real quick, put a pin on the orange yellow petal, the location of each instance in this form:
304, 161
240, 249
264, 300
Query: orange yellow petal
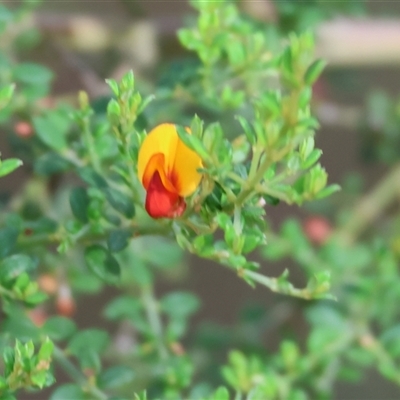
163, 151
156, 164
186, 164
162, 139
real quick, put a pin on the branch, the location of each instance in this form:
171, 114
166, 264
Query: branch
370, 207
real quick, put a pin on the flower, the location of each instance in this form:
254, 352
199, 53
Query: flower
167, 169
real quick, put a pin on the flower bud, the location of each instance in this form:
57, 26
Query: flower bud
317, 229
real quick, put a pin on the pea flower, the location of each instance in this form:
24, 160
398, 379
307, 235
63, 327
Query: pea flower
167, 169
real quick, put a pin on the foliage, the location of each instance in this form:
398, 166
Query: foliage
247, 98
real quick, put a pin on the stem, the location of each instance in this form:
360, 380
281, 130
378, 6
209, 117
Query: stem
273, 193
383, 358
273, 285
236, 178
154, 319
77, 375
255, 161
87, 134
253, 181
370, 206
124, 136
85, 236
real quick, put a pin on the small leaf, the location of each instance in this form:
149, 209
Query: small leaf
247, 129
314, 71
118, 239
193, 143
50, 163
113, 111
68, 391
35, 298
120, 202
113, 85
52, 129
102, 263
127, 81
79, 202
32, 74
8, 166
180, 304
312, 158
58, 328
122, 307
15, 265
329, 190
90, 339
8, 238
6, 94
92, 178
145, 103
42, 378
115, 377
46, 350
221, 393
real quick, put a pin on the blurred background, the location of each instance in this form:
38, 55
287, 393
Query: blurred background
84, 42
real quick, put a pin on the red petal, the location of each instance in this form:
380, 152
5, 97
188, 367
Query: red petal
160, 202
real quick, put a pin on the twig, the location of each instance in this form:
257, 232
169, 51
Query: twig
77, 375
370, 207
153, 317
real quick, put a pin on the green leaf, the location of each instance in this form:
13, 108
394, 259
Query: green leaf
69, 391
329, 190
314, 71
8, 238
9, 359
22, 282
115, 377
94, 340
196, 127
167, 255
8, 166
193, 142
247, 129
122, 307
84, 281
35, 298
127, 81
113, 85
113, 108
179, 304
221, 393
32, 74
145, 103
120, 202
114, 112
58, 328
42, 379
46, 350
15, 265
6, 93
52, 128
102, 263
92, 178
118, 239
19, 326
79, 202
50, 163
312, 158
